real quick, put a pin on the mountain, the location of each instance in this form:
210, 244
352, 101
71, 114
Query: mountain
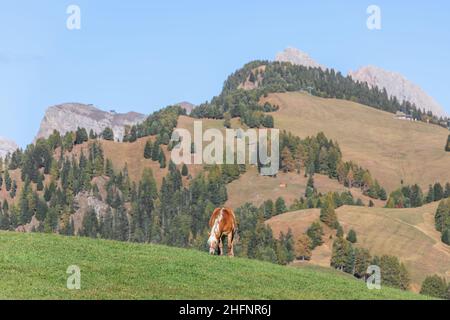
69, 116
6, 146
186, 106
397, 85
297, 57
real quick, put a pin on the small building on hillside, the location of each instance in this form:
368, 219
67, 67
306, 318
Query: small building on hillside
399, 115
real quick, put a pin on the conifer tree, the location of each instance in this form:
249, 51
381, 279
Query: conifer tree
351, 236
148, 150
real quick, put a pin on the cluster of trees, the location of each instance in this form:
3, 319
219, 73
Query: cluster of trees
442, 220
256, 240
55, 201
239, 103
7, 182
413, 197
160, 124
155, 152
318, 154
355, 261
435, 286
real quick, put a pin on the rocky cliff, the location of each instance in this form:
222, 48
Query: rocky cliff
397, 85
297, 57
68, 117
6, 146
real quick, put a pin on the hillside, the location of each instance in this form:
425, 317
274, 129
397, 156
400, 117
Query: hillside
34, 267
289, 185
408, 234
393, 150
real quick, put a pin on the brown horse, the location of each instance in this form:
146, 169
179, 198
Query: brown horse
222, 223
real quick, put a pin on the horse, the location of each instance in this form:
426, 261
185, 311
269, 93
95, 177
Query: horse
222, 223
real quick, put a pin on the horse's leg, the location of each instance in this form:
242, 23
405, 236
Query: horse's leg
230, 243
220, 246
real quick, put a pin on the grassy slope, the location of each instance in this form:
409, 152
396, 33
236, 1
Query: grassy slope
391, 149
290, 186
34, 266
406, 233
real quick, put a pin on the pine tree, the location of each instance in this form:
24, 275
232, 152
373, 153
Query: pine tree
148, 149
184, 170
446, 236
89, 226
156, 152
315, 233
106, 225
162, 159
327, 212
351, 236
434, 286
8, 181
108, 134
280, 206
121, 224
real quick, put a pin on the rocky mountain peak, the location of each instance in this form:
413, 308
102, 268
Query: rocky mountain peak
186, 106
398, 86
69, 116
7, 146
295, 56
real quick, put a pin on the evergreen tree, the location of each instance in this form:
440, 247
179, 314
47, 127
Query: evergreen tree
162, 159
315, 233
108, 134
434, 286
446, 236
89, 226
81, 136
184, 170
327, 212
121, 224
280, 206
148, 149
106, 225
351, 236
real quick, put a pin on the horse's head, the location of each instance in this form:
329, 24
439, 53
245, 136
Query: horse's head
212, 242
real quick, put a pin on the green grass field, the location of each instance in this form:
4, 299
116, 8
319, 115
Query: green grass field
33, 266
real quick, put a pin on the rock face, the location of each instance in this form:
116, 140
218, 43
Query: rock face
397, 85
68, 117
7, 146
297, 57
186, 106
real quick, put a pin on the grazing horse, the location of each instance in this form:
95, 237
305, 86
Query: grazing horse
222, 223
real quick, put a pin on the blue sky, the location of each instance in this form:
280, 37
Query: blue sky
142, 55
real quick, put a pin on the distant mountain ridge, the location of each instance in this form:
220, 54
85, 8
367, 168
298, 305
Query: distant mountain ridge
69, 116
7, 146
398, 86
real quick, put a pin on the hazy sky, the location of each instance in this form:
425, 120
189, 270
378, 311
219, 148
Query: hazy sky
143, 55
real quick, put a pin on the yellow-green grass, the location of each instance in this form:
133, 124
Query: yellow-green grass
393, 150
33, 266
408, 234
